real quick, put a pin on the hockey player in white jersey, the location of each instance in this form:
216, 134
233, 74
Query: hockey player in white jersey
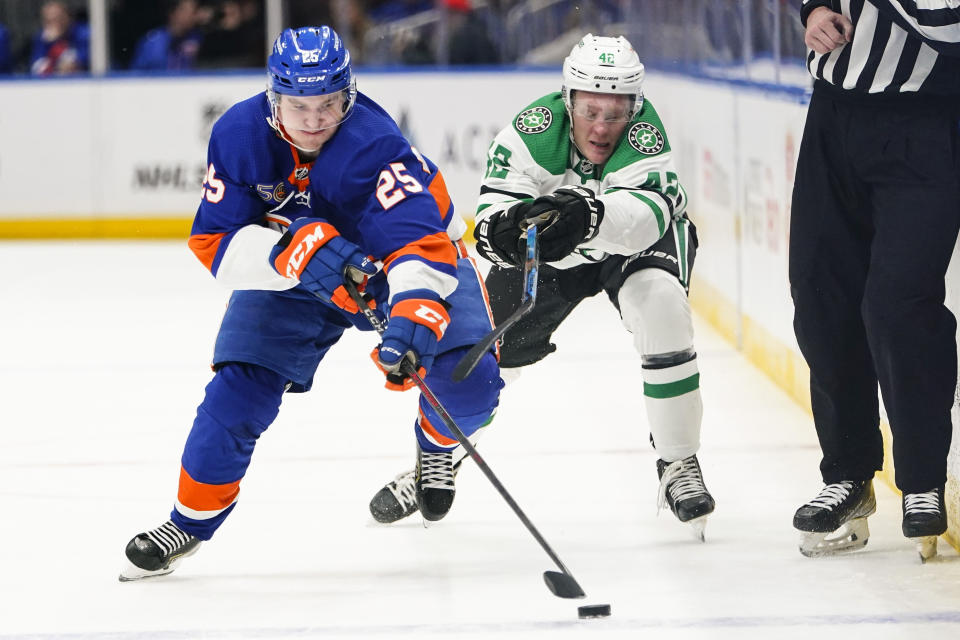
597, 153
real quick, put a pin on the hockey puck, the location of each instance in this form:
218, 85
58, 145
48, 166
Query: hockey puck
593, 611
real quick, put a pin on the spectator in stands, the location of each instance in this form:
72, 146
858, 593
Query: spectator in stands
469, 40
388, 10
175, 46
236, 38
6, 58
61, 46
129, 21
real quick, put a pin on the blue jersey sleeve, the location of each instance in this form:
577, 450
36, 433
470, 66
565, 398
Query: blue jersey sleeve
227, 204
402, 210
230, 234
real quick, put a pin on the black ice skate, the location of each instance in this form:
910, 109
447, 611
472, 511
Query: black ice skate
924, 518
396, 500
681, 487
836, 519
434, 483
158, 552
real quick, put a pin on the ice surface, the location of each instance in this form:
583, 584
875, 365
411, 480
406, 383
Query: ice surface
104, 353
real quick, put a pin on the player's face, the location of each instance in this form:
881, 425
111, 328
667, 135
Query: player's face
310, 120
598, 122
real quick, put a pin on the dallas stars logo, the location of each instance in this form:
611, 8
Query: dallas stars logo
646, 138
534, 120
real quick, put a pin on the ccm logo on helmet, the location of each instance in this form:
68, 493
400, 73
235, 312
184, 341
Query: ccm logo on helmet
302, 250
312, 78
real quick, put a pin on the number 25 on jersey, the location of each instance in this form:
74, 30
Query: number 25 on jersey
389, 192
213, 187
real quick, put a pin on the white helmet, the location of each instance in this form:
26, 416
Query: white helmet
603, 65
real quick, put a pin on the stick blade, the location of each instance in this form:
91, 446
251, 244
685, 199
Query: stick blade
562, 585
469, 361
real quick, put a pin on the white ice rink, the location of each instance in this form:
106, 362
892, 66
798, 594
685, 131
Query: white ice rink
104, 351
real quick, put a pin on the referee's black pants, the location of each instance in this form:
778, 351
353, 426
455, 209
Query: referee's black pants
875, 216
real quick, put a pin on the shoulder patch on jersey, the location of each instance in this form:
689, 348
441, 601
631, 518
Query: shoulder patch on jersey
534, 120
646, 138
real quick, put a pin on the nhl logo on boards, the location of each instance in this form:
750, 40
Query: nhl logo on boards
646, 138
534, 120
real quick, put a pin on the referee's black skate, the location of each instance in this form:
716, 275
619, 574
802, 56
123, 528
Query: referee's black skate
396, 500
836, 519
681, 487
433, 477
924, 519
157, 552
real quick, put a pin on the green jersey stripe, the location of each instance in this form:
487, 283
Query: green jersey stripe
657, 211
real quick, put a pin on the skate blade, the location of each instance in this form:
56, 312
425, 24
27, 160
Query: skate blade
698, 528
850, 536
926, 548
132, 572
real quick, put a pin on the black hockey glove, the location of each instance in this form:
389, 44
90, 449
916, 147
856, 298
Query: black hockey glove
500, 238
578, 220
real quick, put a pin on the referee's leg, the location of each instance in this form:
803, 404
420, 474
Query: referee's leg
911, 332
829, 249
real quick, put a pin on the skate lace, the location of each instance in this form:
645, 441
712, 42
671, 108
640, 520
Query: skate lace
832, 495
404, 489
436, 470
169, 537
927, 502
682, 480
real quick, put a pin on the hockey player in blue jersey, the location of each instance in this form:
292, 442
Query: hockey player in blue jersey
298, 188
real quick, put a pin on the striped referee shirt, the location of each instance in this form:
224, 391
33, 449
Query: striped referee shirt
898, 47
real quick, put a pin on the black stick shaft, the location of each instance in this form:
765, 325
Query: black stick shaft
531, 268
380, 326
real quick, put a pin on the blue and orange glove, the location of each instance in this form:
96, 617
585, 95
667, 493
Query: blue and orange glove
418, 320
313, 251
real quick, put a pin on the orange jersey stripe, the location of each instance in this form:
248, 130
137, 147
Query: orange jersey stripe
434, 434
205, 497
438, 189
436, 247
204, 246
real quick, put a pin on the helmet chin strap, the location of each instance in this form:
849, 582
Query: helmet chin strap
276, 126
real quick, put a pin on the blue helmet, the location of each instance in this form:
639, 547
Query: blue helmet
310, 61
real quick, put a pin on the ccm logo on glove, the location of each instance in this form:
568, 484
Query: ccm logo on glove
304, 243
314, 252
431, 314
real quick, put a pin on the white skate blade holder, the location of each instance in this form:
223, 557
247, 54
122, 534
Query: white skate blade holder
132, 572
850, 536
926, 548
698, 528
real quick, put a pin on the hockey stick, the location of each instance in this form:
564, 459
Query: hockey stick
531, 267
561, 583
